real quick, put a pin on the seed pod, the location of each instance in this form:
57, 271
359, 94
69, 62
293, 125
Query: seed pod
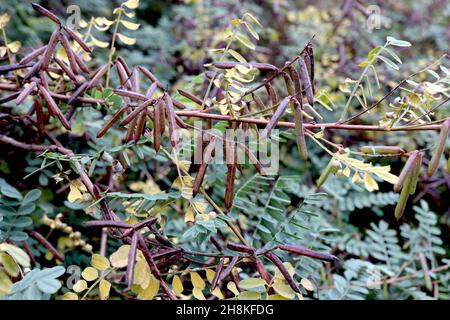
207, 156
232, 64
151, 76
297, 82
251, 157
122, 61
81, 89
288, 82
326, 173
81, 63
273, 95
407, 170
50, 48
190, 96
157, 126
54, 107
279, 264
132, 260
172, 124
123, 76
39, 115
258, 102
43, 79
134, 79
300, 131
307, 86
42, 240
231, 160
308, 253
12, 67
46, 12
381, 150
66, 70
111, 121
434, 162
32, 55
416, 173
403, 199
276, 116
70, 54
77, 39
26, 91
229, 268
33, 70
262, 270
130, 129
217, 273
162, 116
310, 52
130, 94
151, 90
100, 72
136, 111
9, 97
240, 248
140, 126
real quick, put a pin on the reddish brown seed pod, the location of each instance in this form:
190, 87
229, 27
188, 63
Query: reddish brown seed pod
46, 59
111, 121
151, 90
217, 274
207, 156
293, 73
43, 241
51, 104
123, 76
231, 160
310, 52
258, 102
39, 115
33, 70
46, 13
162, 116
443, 135
77, 39
26, 91
98, 75
172, 124
272, 93
140, 126
299, 130
190, 96
122, 61
66, 70
229, 268
130, 129
9, 97
33, 55
151, 76
157, 126
240, 248
81, 64
134, 79
407, 170
132, 260
262, 270
289, 85
276, 116
307, 86
130, 94
308, 253
279, 264
252, 158
69, 52
80, 90
136, 111
43, 79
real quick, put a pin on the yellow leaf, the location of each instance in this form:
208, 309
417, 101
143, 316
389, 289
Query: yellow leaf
289, 268
14, 46
3, 51
74, 194
5, 283
245, 41
197, 281
283, 289
356, 178
216, 292
98, 43
150, 292
9, 264
130, 25
69, 296
251, 283
308, 285
99, 262
346, 172
119, 259
126, 40
142, 274
80, 286
210, 275
4, 19
131, 4
370, 183
198, 294
104, 288
189, 215
249, 295
276, 297
177, 285
232, 287
90, 274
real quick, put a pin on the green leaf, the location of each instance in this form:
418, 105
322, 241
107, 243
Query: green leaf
398, 43
11, 192
389, 62
251, 283
32, 196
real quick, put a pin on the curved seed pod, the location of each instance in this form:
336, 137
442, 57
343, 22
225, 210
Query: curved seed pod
258, 166
46, 12
381, 150
39, 115
130, 129
162, 116
310, 52
217, 274
32, 55
296, 79
272, 93
124, 65
81, 64
123, 76
41, 239
12, 67
66, 70
443, 135
416, 173
178, 104
81, 89
135, 80
262, 271
26, 91
172, 124
140, 126
111, 121
300, 131
326, 173
50, 48
276, 116
180, 122
258, 102
229, 268
151, 90
207, 156
307, 86
70, 54
130, 94
190, 96
157, 126
136, 111
240, 248
51, 104
308, 253
100, 72
231, 159
403, 199
151, 76
43, 79
9, 97
288, 82
407, 170
132, 260
279, 264
33, 70
232, 64
77, 39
